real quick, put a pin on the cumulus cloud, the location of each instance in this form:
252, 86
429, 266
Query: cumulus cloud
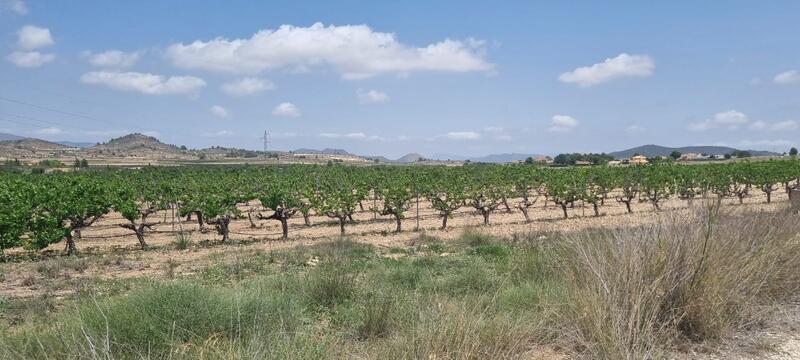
17, 6
787, 125
634, 129
622, 66
247, 86
562, 123
730, 120
462, 135
145, 83
286, 109
30, 59
31, 37
113, 58
219, 111
356, 51
765, 143
221, 133
352, 136
49, 131
787, 77
371, 96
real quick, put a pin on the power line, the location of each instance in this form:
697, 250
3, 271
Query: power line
46, 108
42, 122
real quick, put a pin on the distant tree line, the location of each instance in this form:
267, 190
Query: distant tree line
572, 159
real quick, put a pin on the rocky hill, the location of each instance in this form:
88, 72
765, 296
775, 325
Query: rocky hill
137, 146
410, 158
28, 148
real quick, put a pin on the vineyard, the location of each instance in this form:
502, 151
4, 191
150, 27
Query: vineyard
38, 210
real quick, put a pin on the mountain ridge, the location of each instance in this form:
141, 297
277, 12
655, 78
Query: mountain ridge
652, 150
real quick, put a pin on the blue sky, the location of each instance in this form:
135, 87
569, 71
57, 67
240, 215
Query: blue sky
388, 78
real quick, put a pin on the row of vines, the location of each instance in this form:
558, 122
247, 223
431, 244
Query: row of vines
37, 210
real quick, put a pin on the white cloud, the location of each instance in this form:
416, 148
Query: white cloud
787, 77
219, 111
247, 86
562, 123
145, 83
30, 59
493, 129
356, 51
634, 129
371, 96
221, 133
17, 6
352, 136
113, 58
623, 65
730, 119
49, 131
765, 143
286, 109
462, 135
31, 37
787, 125
759, 125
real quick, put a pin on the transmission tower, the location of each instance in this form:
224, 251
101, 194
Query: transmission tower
266, 145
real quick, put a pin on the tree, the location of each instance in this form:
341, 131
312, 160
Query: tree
283, 201
628, 183
485, 193
334, 197
136, 205
526, 185
675, 155
656, 184
793, 152
447, 194
219, 207
564, 188
396, 195
15, 211
64, 203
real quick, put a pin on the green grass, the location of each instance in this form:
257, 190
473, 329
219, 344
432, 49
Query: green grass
584, 294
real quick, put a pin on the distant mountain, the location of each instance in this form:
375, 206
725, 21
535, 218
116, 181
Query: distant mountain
8, 137
504, 158
326, 151
81, 145
410, 158
492, 158
656, 150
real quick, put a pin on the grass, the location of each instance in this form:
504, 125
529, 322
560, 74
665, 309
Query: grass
606, 294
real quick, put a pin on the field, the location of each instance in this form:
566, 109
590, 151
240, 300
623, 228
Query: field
703, 260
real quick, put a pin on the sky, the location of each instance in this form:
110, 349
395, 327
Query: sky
439, 78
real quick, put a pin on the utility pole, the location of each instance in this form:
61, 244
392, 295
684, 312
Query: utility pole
266, 145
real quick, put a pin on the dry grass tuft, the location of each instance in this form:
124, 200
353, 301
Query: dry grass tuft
634, 292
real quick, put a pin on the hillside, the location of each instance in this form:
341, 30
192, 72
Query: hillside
137, 146
32, 148
410, 158
8, 137
656, 150
326, 151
